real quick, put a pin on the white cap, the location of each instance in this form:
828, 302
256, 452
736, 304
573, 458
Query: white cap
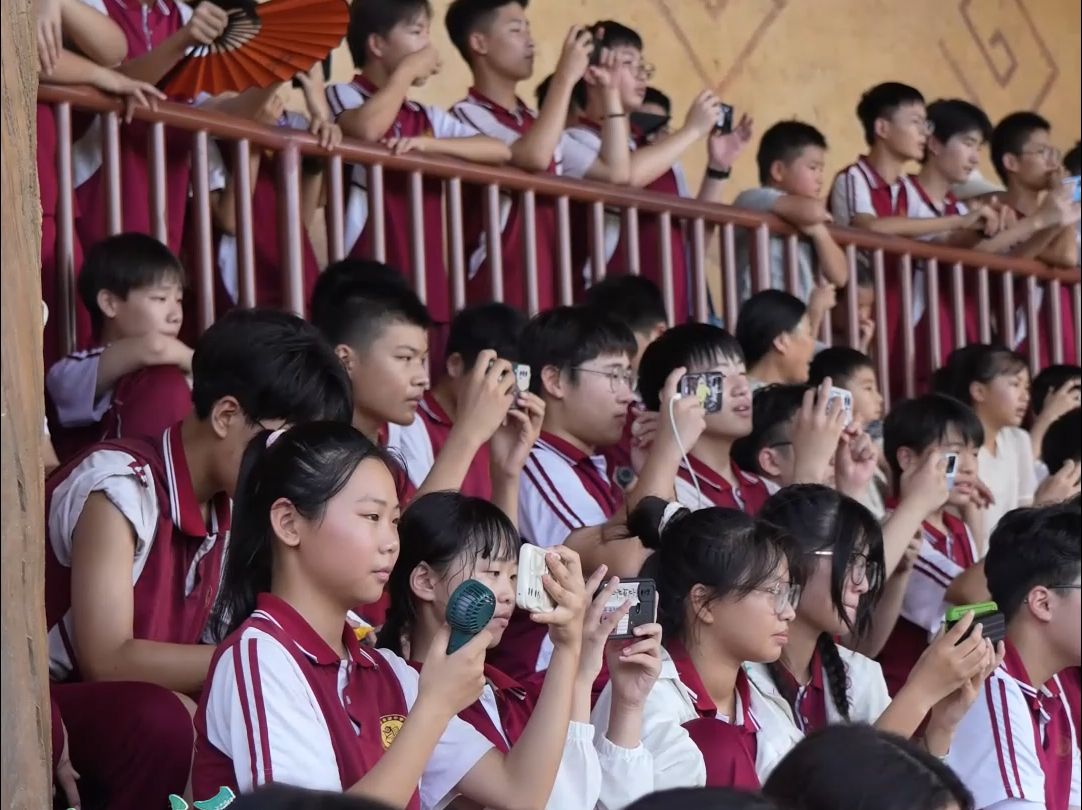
976, 186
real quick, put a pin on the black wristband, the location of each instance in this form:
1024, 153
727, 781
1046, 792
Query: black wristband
718, 174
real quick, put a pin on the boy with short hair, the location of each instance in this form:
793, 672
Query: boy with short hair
1055, 391
389, 43
132, 286
137, 529
479, 335
1063, 442
1017, 746
494, 38
635, 301
948, 570
776, 335
709, 476
791, 157
379, 330
1028, 164
654, 166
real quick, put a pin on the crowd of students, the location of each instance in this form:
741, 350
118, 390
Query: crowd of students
251, 545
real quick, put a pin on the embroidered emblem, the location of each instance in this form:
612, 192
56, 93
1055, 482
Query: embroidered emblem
389, 726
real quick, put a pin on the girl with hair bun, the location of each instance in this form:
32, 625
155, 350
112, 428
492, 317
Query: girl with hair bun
727, 586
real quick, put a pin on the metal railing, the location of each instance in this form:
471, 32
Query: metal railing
988, 277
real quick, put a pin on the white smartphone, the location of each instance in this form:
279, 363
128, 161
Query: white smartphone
844, 399
530, 593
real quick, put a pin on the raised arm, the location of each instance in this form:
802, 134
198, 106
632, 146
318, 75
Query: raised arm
131, 354
372, 120
207, 24
722, 150
92, 33
650, 162
103, 609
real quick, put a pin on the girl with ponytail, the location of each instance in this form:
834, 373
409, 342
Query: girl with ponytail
448, 538
727, 586
292, 696
817, 682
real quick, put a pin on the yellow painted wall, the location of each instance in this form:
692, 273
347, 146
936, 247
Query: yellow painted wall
811, 59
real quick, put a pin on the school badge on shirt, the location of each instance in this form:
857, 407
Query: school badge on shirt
389, 726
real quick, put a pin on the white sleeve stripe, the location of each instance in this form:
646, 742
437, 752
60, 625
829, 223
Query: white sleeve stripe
1004, 739
551, 495
242, 694
939, 577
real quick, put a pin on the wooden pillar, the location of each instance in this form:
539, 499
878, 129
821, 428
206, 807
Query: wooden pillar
24, 705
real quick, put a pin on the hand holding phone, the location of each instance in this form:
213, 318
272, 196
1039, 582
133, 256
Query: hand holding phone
841, 398
642, 594
530, 593
986, 614
706, 387
951, 468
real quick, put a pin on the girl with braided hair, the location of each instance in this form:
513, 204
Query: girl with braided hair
817, 682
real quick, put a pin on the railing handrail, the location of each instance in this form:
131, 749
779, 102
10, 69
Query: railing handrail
222, 125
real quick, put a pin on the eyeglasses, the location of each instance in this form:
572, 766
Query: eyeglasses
643, 70
1048, 152
617, 377
857, 567
786, 595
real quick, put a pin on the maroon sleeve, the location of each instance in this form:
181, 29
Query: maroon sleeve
146, 402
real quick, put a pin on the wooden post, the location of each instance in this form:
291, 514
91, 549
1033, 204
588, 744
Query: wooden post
24, 705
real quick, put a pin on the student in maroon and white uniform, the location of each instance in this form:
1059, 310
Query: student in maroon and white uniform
727, 587
137, 529
494, 38
1017, 748
709, 476
817, 681
158, 33
476, 333
654, 164
389, 43
96, 44
292, 697
448, 538
1029, 166
949, 569
132, 286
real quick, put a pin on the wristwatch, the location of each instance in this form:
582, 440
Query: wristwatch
718, 174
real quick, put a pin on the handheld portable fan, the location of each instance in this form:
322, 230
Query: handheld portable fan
263, 43
469, 610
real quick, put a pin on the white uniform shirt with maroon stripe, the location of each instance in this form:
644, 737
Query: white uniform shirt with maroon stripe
352, 95
935, 569
563, 489
996, 749
72, 384
859, 189
261, 712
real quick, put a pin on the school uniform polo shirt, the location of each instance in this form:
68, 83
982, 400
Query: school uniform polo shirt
563, 489
283, 706
420, 444
748, 496
412, 120
943, 556
508, 125
1018, 742
177, 556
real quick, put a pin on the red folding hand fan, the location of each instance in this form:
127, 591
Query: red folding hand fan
263, 43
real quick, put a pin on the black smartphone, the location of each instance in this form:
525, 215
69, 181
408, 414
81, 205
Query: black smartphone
724, 124
643, 596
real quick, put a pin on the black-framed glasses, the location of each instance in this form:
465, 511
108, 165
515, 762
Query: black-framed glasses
616, 376
786, 595
1066, 587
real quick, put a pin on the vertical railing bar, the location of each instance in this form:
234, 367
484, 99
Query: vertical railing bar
110, 124
65, 230
529, 247
728, 276
597, 241
631, 240
1056, 334
792, 264
762, 257
204, 238
1033, 330
159, 214
376, 211
1006, 328
905, 268
494, 240
242, 186
958, 306
882, 350
931, 270
290, 227
456, 243
698, 268
665, 263
563, 239
417, 234
852, 298
335, 208
984, 305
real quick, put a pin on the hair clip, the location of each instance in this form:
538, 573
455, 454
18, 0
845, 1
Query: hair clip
670, 512
274, 436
